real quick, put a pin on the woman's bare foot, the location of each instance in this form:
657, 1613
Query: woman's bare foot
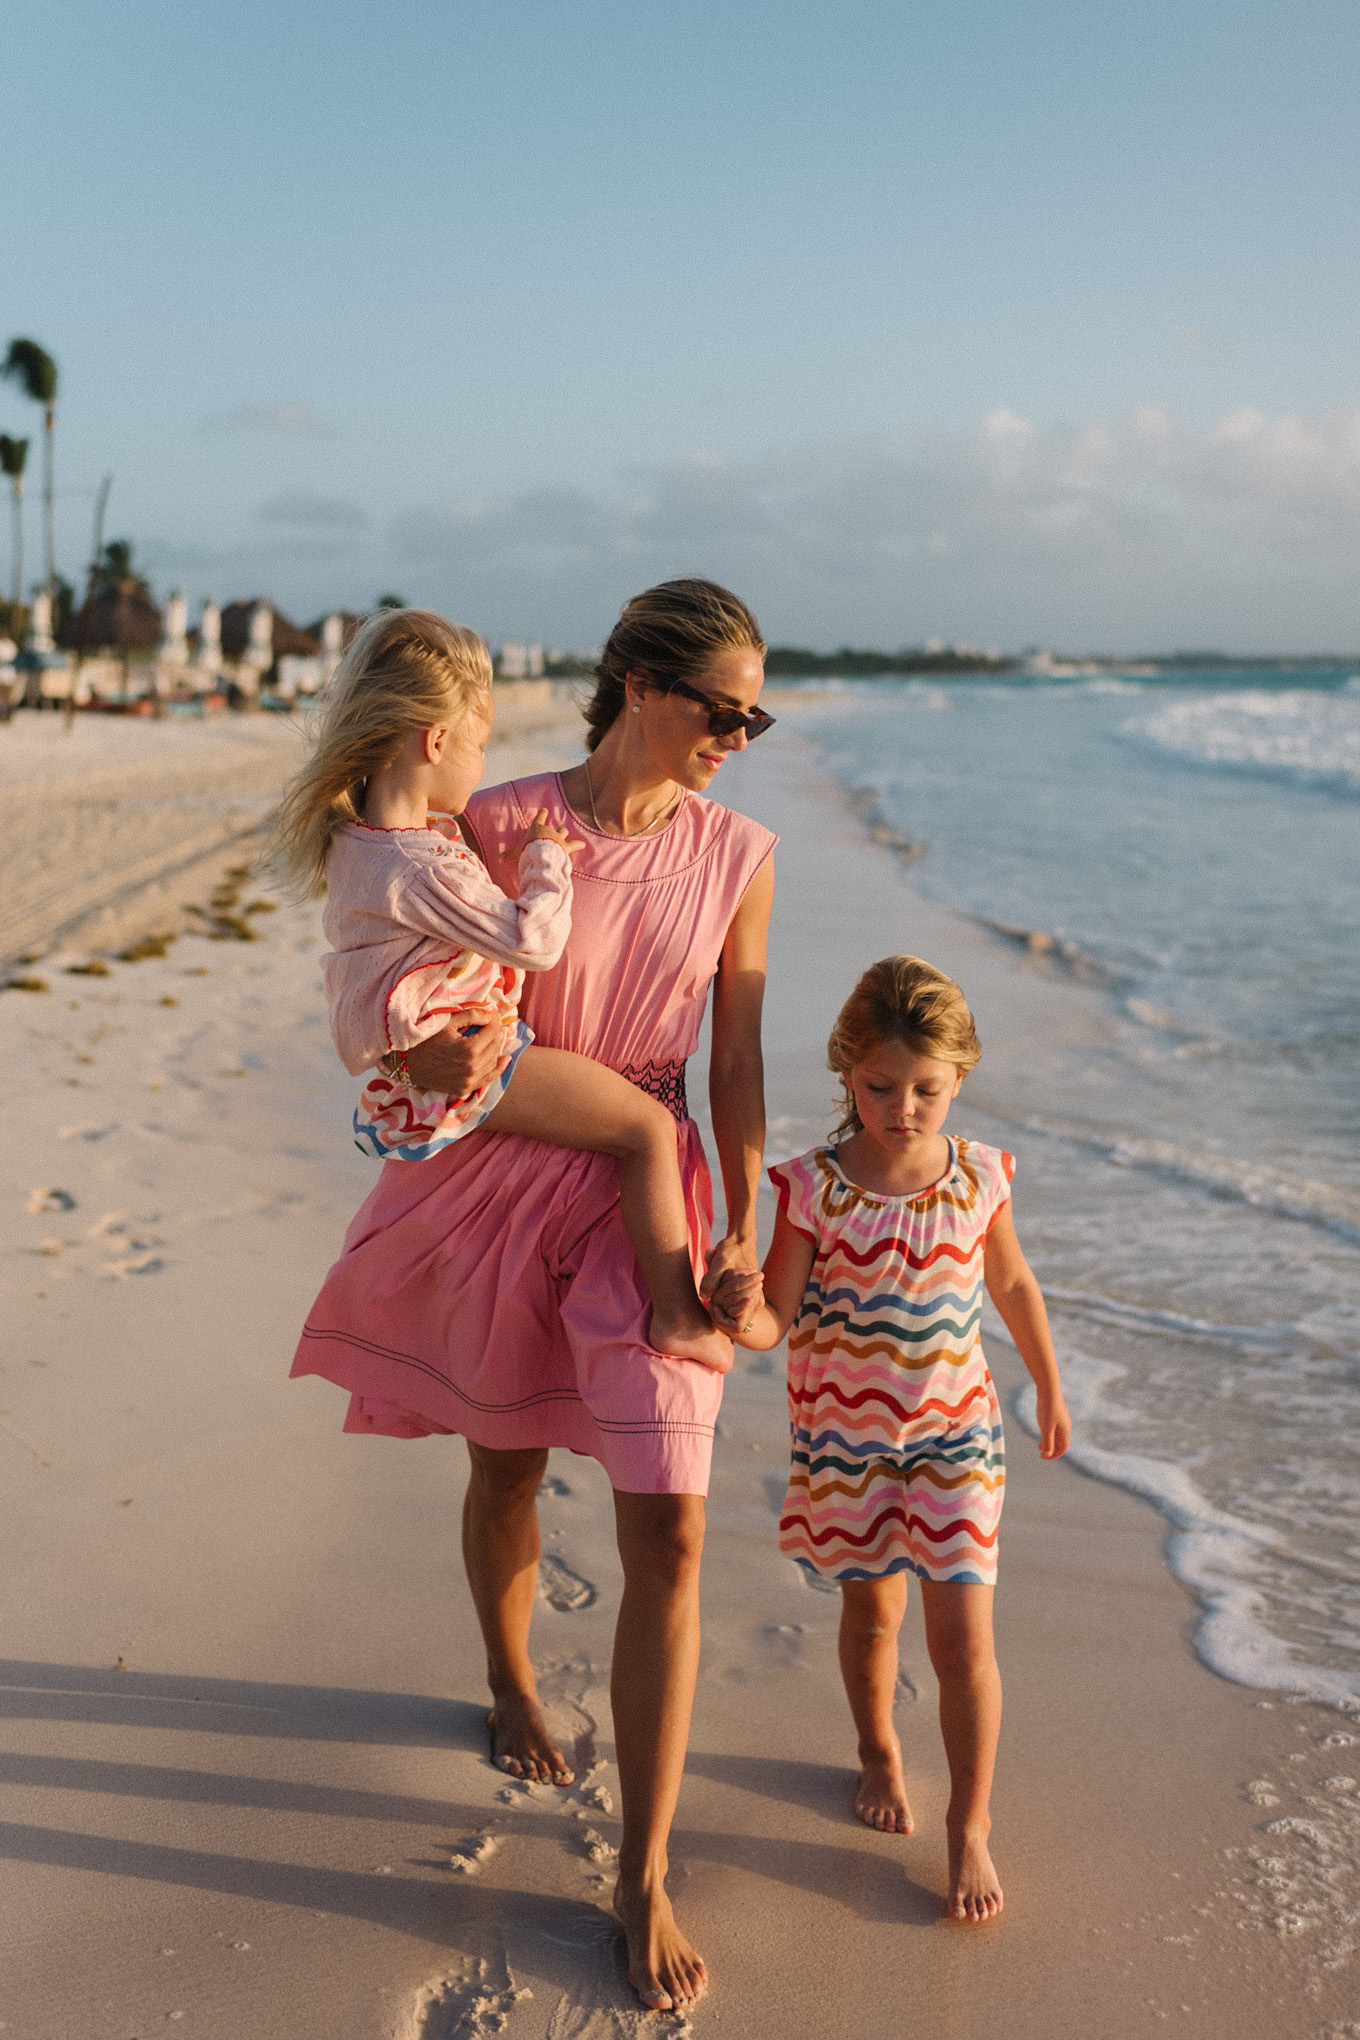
664, 1970
881, 1801
974, 1887
691, 1335
520, 1743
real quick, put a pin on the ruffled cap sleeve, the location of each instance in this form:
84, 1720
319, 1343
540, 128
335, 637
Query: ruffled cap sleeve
995, 1179
795, 1186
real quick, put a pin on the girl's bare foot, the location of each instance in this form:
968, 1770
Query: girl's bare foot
520, 1743
664, 1970
881, 1801
691, 1335
974, 1887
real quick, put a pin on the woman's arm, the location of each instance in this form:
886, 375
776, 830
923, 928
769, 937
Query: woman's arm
1014, 1289
736, 1077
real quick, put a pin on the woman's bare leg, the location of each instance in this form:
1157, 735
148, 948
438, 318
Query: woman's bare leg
572, 1102
959, 1639
871, 1615
501, 1550
656, 1662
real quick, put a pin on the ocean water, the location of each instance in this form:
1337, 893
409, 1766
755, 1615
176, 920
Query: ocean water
1191, 1182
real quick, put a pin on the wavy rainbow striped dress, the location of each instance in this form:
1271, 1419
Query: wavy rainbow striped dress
898, 1459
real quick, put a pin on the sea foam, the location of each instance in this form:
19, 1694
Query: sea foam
1311, 1202
1303, 735
1212, 1552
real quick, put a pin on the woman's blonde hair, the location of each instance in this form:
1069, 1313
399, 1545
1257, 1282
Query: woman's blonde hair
900, 999
407, 669
674, 632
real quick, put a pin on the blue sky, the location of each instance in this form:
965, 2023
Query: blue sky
998, 323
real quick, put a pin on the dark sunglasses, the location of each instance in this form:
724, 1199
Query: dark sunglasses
722, 722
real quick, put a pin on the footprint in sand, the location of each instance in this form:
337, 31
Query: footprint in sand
469, 2000
40, 1201
134, 1264
468, 1861
130, 1245
562, 1588
551, 1486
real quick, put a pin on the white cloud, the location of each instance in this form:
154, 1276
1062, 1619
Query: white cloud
1126, 531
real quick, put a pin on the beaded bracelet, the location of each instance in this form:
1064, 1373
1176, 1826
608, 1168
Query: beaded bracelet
396, 1065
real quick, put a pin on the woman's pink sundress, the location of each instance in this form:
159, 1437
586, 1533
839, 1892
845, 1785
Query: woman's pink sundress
491, 1290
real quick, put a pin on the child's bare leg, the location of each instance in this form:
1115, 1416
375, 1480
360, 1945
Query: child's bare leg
959, 1639
567, 1099
871, 1615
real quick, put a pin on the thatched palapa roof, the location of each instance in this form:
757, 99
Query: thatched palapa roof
119, 619
288, 639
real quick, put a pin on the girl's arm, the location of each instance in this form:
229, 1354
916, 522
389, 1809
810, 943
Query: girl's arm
466, 1055
459, 902
1012, 1286
736, 1077
785, 1275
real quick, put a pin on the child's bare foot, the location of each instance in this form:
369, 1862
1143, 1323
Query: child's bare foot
691, 1335
881, 1801
520, 1743
664, 1970
974, 1887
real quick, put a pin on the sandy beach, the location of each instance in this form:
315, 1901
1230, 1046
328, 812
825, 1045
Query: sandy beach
247, 1781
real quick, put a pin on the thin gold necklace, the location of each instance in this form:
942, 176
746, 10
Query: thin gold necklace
664, 816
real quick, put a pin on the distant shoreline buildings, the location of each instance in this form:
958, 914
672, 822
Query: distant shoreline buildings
123, 652
122, 649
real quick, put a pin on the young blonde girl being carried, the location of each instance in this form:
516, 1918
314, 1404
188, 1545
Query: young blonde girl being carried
882, 1246
420, 936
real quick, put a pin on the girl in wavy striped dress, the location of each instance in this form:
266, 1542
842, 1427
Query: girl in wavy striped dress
883, 1243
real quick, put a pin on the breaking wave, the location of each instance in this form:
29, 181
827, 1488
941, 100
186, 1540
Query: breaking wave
1303, 735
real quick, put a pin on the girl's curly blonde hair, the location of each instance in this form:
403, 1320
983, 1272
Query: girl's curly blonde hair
407, 669
900, 999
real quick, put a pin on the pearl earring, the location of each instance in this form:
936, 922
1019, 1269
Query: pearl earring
636, 709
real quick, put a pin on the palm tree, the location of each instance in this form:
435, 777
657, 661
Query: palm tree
13, 458
34, 368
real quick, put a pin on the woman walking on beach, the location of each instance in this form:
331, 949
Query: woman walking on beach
490, 1290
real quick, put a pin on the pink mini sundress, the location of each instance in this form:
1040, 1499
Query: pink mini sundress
491, 1290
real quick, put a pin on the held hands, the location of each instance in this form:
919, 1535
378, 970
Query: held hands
739, 1293
732, 1295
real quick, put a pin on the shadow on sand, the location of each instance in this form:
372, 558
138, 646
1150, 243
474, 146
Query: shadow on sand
869, 1878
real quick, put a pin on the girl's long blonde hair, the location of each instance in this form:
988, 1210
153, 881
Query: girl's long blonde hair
900, 999
407, 669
